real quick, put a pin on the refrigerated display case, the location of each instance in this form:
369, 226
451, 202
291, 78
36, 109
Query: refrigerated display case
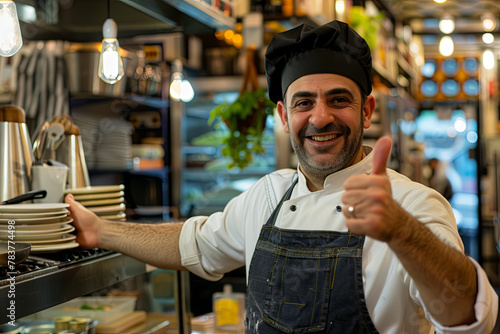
206, 182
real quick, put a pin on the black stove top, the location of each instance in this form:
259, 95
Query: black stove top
75, 255
35, 266
27, 269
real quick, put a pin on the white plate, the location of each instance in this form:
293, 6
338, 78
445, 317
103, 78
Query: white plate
36, 236
110, 208
33, 207
100, 202
4, 230
37, 227
94, 189
33, 215
40, 220
117, 216
51, 248
38, 224
63, 238
99, 196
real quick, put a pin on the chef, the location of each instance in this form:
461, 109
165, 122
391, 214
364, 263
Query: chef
341, 244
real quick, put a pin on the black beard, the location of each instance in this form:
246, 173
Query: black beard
317, 172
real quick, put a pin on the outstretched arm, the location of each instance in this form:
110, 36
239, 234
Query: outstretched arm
155, 244
444, 277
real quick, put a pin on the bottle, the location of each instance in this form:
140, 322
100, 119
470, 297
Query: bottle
229, 309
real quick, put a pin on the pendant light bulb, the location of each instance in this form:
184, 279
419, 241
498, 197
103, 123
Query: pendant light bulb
446, 46
10, 36
175, 86
110, 61
447, 25
180, 88
187, 91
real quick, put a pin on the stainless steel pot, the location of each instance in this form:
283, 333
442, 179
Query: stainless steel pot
16, 156
83, 67
70, 152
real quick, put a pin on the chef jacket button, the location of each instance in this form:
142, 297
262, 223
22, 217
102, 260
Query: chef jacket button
338, 208
293, 208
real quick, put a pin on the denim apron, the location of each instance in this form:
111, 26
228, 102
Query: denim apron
306, 281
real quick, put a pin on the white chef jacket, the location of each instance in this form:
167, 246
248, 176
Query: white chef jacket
212, 246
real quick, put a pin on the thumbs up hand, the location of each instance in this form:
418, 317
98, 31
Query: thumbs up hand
368, 203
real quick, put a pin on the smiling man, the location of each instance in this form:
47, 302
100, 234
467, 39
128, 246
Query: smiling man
341, 244
328, 115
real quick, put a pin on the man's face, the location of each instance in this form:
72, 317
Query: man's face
325, 117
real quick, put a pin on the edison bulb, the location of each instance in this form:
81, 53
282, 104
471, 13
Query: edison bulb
446, 46
10, 38
110, 61
176, 86
447, 25
187, 92
180, 88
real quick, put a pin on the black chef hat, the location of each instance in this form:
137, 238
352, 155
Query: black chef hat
331, 48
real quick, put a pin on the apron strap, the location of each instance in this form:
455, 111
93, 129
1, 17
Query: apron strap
272, 219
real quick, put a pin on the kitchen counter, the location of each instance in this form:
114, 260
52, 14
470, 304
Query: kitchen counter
160, 323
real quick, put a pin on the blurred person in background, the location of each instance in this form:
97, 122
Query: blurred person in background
438, 179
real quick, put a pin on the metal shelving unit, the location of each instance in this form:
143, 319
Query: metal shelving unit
41, 292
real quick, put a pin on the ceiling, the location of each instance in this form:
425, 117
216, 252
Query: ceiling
467, 13
82, 20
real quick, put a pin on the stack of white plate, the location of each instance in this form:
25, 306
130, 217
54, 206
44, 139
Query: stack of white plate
114, 150
46, 226
108, 202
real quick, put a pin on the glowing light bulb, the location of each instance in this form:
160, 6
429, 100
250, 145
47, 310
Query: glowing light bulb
110, 61
447, 25
489, 22
446, 46
187, 92
180, 88
488, 38
488, 59
10, 36
175, 86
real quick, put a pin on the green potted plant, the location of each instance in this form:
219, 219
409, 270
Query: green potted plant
245, 119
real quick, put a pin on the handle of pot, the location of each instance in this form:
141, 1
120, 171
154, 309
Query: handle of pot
34, 194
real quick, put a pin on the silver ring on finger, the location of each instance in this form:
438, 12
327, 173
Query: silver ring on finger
350, 212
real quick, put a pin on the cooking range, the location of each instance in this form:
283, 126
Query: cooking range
35, 266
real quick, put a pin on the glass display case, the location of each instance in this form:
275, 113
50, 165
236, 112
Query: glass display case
207, 183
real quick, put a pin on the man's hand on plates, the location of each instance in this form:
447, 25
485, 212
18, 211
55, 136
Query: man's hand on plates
85, 222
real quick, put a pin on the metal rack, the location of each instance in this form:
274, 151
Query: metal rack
38, 293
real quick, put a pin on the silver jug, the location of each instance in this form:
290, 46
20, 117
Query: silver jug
16, 156
70, 152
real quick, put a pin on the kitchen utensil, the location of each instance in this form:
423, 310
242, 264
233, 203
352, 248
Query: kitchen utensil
54, 138
82, 67
71, 153
39, 142
16, 156
21, 252
52, 179
33, 194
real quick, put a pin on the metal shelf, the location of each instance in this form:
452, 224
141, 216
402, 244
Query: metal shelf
198, 10
38, 293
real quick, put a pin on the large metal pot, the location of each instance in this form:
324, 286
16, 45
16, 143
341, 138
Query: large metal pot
83, 76
16, 156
